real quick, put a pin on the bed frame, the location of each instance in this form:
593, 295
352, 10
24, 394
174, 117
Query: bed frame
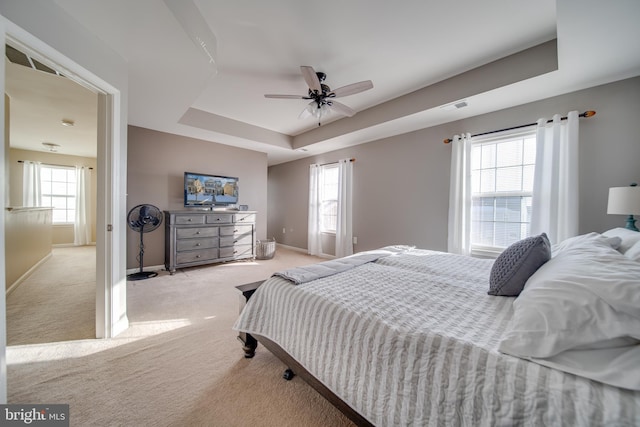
250, 343
249, 346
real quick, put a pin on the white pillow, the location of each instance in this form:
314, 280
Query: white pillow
587, 239
629, 237
633, 252
586, 296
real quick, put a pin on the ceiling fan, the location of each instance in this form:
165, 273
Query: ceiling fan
322, 96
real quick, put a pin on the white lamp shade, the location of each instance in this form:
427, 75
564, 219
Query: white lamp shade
624, 201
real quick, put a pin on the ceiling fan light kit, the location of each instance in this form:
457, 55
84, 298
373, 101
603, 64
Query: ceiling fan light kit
316, 110
322, 97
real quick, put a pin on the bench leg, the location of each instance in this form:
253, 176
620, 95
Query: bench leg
249, 344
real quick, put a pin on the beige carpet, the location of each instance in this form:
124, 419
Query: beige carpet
57, 301
179, 364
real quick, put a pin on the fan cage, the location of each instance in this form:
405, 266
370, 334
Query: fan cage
140, 227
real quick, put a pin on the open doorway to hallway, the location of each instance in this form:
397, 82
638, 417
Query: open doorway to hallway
52, 122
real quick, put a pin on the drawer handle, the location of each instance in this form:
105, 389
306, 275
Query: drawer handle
197, 256
197, 244
235, 241
197, 232
190, 219
217, 219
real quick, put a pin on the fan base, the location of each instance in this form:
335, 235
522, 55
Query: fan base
141, 275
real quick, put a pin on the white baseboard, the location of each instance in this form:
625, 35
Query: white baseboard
22, 278
292, 248
304, 251
161, 267
70, 245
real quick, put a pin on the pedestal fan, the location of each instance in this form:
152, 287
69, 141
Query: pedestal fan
143, 219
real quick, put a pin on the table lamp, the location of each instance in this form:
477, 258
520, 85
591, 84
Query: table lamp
625, 201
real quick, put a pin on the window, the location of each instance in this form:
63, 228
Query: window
58, 184
502, 173
328, 198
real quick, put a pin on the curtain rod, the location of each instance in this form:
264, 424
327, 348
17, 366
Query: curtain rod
589, 113
333, 163
52, 164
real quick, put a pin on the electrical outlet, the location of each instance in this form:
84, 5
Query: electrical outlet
284, 230
355, 240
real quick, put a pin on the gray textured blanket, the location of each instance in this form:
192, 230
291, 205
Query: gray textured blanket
307, 273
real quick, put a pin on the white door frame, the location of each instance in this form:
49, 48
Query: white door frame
4, 173
111, 316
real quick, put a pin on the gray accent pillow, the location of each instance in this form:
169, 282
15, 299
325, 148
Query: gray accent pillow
517, 263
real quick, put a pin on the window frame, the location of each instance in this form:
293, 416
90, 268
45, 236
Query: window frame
324, 201
67, 196
522, 134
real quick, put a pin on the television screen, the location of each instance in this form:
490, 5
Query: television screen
209, 190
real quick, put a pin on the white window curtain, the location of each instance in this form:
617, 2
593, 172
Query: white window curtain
555, 185
31, 190
459, 240
82, 225
314, 243
344, 225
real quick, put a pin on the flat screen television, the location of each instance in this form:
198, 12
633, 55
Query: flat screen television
204, 190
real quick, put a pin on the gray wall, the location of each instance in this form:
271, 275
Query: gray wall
155, 175
401, 184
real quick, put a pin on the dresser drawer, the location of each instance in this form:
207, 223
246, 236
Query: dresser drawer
245, 217
194, 237
219, 218
246, 239
236, 230
236, 251
190, 219
196, 256
190, 232
191, 244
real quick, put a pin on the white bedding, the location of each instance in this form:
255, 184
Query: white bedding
580, 313
412, 339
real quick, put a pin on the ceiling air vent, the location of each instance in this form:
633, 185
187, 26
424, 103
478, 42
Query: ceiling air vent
456, 105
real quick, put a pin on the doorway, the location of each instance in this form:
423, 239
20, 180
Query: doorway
53, 126
110, 295
107, 80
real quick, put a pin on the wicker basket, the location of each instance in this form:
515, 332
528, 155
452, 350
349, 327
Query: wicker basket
265, 249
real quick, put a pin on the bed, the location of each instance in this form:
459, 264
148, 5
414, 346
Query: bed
406, 336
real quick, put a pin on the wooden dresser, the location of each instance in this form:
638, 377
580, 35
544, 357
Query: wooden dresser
205, 237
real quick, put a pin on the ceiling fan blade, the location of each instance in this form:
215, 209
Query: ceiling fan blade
285, 96
353, 88
311, 78
342, 109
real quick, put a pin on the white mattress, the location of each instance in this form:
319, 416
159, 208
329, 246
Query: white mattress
411, 339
